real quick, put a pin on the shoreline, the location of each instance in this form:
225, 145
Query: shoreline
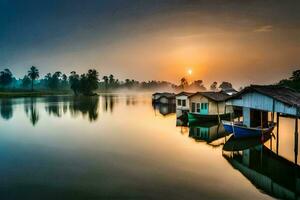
13, 94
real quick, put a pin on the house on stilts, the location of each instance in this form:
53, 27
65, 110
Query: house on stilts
208, 107
257, 101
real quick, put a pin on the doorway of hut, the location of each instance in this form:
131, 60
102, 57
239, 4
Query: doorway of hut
257, 117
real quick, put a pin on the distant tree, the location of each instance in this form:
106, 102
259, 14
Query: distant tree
213, 86
106, 81
183, 83
64, 80
225, 85
74, 81
33, 74
293, 81
26, 81
295, 76
55, 80
198, 85
111, 79
89, 82
6, 77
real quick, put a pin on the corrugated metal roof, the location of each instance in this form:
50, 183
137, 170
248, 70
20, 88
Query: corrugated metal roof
215, 96
185, 93
280, 93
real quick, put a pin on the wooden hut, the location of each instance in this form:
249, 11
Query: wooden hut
257, 100
163, 98
208, 106
182, 103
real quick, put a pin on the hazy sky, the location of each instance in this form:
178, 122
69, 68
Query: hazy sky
242, 41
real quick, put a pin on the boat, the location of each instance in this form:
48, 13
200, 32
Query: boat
239, 130
194, 117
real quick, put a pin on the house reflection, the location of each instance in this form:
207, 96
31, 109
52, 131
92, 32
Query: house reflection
208, 132
164, 109
266, 170
6, 108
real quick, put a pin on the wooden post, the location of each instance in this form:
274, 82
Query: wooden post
261, 123
277, 133
218, 113
273, 110
296, 138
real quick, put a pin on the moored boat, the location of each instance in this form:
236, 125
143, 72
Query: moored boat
241, 131
194, 117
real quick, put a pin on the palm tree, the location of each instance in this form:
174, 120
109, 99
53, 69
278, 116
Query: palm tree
105, 78
33, 74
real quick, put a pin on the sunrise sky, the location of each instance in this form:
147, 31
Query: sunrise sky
241, 41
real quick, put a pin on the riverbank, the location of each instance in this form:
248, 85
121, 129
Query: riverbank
10, 94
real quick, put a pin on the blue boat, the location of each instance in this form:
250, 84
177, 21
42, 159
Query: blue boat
241, 131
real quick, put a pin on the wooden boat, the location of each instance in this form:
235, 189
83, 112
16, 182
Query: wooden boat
241, 131
194, 117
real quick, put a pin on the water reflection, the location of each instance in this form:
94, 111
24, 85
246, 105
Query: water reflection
86, 106
164, 109
121, 150
273, 174
109, 102
208, 132
269, 172
6, 108
31, 110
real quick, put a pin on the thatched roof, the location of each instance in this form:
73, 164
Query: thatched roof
214, 96
280, 93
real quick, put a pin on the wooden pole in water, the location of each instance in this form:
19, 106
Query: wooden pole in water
219, 119
277, 133
296, 138
273, 110
261, 120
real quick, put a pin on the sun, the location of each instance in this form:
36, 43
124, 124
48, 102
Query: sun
190, 71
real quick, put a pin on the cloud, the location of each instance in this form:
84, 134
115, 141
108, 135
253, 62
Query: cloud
266, 28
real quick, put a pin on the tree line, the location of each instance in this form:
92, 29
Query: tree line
87, 83
293, 81
84, 84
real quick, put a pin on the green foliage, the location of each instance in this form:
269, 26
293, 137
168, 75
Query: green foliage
33, 74
6, 77
89, 82
293, 82
74, 82
26, 81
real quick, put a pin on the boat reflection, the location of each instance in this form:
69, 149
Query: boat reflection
208, 132
266, 170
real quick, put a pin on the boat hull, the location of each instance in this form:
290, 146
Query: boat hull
193, 117
240, 131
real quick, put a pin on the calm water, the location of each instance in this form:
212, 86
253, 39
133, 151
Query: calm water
120, 147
